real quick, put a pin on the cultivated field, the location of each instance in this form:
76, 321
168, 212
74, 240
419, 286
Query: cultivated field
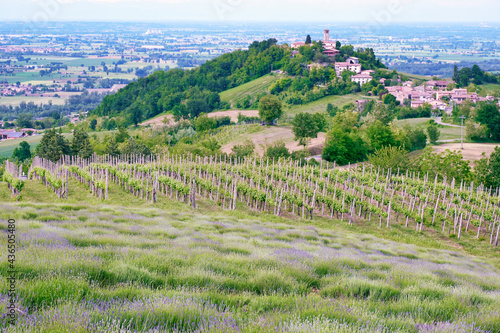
321, 104
87, 265
233, 114
267, 136
471, 151
252, 89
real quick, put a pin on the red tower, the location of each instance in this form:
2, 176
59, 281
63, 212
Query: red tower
327, 35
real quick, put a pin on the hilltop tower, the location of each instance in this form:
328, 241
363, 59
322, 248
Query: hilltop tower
327, 35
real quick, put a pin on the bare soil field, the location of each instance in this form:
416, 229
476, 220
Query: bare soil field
270, 135
471, 151
233, 114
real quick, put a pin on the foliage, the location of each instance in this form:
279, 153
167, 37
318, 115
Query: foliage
390, 157
433, 133
134, 147
488, 115
475, 75
344, 147
23, 152
475, 131
53, 146
80, 144
277, 150
447, 164
346, 120
487, 171
418, 139
192, 92
380, 135
270, 108
243, 150
307, 125
204, 123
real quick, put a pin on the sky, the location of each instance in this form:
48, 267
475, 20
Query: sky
369, 11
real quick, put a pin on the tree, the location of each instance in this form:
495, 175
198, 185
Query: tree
204, 123
390, 158
447, 164
23, 152
93, 124
135, 114
53, 146
388, 99
132, 147
380, 135
81, 144
346, 120
488, 115
277, 150
343, 147
433, 133
270, 108
455, 73
494, 168
180, 112
112, 148
331, 110
475, 131
418, 139
304, 127
243, 150
121, 135
24, 120
308, 39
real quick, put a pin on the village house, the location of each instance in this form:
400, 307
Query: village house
342, 66
11, 134
361, 78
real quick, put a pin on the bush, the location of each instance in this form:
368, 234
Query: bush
343, 147
277, 150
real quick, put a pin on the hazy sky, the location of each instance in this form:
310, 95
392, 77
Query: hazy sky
383, 11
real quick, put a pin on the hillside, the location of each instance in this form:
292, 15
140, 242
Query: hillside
250, 90
217, 84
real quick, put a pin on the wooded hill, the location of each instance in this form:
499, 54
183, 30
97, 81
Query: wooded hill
188, 93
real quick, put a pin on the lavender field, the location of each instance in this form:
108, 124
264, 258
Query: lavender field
129, 266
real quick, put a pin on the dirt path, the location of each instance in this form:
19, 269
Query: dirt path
233, 114
270, 135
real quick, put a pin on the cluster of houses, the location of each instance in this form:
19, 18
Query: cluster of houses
352, 64
434, 93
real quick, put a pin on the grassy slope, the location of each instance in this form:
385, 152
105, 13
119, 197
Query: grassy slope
7, 147
252, 88
447, 132
412, 76
321, 104
242, 266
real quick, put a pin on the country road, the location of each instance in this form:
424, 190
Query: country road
439, 121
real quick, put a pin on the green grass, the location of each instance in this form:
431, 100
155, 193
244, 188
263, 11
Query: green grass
321, 104
168, 265
490, 89
447, 132
411, 76
252, 89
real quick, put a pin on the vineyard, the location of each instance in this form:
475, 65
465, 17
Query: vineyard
283, 188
